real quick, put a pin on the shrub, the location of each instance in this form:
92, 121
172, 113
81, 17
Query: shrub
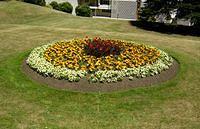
66, 7
54, 5
38, 2
83, 10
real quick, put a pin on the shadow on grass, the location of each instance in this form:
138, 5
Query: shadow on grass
167, 28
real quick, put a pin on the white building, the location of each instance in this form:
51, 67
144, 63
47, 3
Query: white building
124, 9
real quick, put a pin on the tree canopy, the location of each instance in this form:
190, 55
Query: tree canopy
183, 9
38, 2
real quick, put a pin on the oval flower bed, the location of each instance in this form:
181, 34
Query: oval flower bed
98, 60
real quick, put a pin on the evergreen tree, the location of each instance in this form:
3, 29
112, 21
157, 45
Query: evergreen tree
187, 9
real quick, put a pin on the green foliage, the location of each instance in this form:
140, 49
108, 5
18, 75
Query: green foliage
187, 9
37, 2
65, 7
157, 7
190, 9
83, 10
54, 5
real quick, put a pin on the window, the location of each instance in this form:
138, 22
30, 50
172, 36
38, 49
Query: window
105, 2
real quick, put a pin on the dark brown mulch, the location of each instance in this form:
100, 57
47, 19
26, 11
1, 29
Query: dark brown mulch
84, 86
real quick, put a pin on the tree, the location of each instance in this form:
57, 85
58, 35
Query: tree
83, 10
65, 7
38, 2
186, 9
54, 5
189, 9
138, 7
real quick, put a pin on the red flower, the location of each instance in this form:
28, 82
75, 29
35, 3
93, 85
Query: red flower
100, 47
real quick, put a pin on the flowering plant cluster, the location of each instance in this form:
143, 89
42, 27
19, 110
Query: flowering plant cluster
99, 47
69, 60
72, 55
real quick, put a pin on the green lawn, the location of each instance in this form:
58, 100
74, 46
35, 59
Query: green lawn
25, 104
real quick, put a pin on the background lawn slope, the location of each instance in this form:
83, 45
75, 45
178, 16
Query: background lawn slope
27, 104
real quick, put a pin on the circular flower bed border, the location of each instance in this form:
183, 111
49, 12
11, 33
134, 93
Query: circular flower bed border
37, 62
84, 86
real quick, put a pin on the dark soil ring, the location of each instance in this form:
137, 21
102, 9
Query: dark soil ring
84, 86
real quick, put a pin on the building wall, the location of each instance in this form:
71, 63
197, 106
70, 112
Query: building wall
125, 9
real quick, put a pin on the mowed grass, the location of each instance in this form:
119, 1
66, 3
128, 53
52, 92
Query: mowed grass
25, 104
